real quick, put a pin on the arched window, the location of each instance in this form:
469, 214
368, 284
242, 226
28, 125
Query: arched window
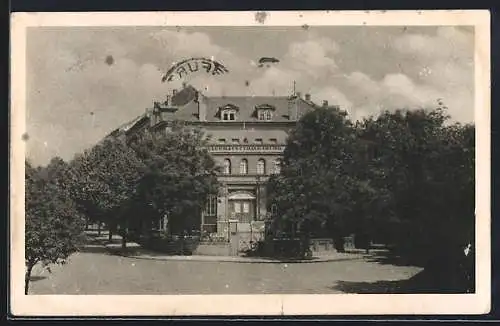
261, 166
243, 166
227, 166
276, 167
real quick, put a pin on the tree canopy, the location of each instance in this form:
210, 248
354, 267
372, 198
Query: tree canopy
403, 177
53, 226
178, 177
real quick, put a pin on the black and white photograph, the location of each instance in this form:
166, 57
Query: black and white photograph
204, 157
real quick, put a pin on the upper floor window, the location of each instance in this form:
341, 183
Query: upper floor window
265, 115
228, 112
243, 166
227, 166
258, 141
228, 115
276, 167
235, 141
265, 112
222, 140
261, 166
273, 140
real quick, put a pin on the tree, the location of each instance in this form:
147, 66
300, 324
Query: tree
320, 182
53, 227
105, 183
429, 168
179, 175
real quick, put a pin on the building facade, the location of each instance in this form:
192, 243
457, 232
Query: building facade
246, 136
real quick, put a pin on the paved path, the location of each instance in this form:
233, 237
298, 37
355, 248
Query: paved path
97, 271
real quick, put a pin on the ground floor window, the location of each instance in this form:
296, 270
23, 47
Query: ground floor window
211, 206
210, 215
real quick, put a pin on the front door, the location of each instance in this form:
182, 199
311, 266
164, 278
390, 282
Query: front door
243, 210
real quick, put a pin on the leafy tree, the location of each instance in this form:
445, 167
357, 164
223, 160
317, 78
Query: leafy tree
53, 227
320, 183
428, 166
105, 182
179, 175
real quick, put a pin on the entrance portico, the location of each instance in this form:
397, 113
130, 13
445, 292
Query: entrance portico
242, 206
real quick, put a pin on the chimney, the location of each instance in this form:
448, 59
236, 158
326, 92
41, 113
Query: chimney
174, 92
202, 109
168, 100
184, 85
308, 97
299, 94
325, 103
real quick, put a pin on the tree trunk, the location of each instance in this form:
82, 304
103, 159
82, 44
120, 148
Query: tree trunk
110, 233
124, 236
27, 277
98, 229
124, 241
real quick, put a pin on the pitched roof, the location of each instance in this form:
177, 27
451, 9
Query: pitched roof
185, 106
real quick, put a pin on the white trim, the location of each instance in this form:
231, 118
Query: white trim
241, 195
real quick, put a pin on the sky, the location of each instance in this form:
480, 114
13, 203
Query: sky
76, 94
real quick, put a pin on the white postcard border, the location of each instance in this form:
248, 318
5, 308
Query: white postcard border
321, 304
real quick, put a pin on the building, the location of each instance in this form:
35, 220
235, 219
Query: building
246, 137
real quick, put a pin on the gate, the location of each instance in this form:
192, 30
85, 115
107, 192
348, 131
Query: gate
243, 235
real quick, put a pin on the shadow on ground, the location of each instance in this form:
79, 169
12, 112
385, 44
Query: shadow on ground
422, 283
387, 257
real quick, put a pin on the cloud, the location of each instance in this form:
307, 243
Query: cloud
441, 69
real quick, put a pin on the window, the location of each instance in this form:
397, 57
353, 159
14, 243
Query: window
276, 167
227, 166
258, 140
261, 166
243, 166
222, 140
229, 115
246, 207
235, 141
273, 140
163, 222
211, 206
265, 115
237, 207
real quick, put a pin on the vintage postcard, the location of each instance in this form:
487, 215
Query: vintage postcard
250, 163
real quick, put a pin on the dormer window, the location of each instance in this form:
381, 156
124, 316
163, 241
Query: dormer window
228, 115
228, 112
265, 112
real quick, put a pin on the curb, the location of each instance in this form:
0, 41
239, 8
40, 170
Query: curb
232, 259
223, 259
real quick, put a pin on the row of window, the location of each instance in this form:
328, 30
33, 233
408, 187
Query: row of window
261, 166
245, 141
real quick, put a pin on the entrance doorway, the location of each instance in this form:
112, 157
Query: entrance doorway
242, 207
